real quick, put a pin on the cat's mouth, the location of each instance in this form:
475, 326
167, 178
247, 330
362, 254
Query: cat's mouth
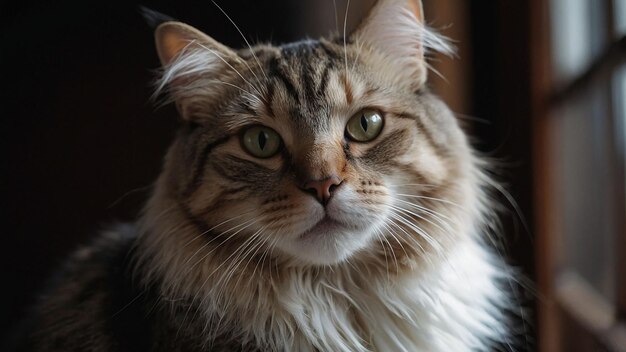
324, 227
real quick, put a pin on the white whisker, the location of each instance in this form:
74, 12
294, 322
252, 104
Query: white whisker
246, 40
358, 53
243, 225
418, 230
216, 226
431, 198
345, 48
408, 212
441, 218
379, 237
230, 66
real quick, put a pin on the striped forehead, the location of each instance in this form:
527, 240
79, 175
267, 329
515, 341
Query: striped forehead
308, 87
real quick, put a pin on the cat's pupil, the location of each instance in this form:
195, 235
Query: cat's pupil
364, 122
262, 140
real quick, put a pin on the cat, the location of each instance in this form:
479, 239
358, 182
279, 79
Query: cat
317, 197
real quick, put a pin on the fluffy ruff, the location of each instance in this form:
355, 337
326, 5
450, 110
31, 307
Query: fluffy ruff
456, 301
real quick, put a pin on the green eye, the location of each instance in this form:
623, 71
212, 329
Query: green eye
365, 125
261, 141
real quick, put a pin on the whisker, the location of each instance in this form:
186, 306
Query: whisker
435, 71
396, 239
512, 201
215, 238
256, 249
236, 252
345, 49
358, 53
258, 99
425, 185
393, 254
248, 224
229, 65
432, 198
413, 244
441, 218
436, 215
122, 197
246, 40
203, 87
264, 256
250, 248
419, 217
417, 229
472, 118
379, 237
409, 236
216, 226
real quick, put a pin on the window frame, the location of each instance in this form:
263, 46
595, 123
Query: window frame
570, 312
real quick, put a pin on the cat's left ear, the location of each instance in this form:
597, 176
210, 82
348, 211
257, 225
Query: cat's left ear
395, 28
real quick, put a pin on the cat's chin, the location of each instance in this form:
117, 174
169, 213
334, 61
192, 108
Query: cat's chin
325, 227
327, 242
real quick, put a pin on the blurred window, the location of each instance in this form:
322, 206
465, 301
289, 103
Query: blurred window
586, 146
576, 39
619, 9
583, 181
619, 99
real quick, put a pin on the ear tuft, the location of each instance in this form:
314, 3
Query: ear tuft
396, 29
153, 18
172, 37
196, 68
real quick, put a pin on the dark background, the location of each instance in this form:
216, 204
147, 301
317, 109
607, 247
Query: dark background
81, 142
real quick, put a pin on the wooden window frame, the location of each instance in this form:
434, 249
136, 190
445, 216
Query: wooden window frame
570, 312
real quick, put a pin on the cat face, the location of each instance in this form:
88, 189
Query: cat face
318, 151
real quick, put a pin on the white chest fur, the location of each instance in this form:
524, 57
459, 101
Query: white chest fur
454, 306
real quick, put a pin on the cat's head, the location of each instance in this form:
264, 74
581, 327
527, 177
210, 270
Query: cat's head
320, 150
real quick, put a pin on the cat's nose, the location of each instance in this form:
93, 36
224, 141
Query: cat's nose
322, 189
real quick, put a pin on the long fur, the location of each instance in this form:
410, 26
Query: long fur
222, 241
460, 302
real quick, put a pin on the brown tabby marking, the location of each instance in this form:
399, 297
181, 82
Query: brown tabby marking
240, 252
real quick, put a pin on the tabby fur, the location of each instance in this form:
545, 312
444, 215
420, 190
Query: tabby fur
228, 254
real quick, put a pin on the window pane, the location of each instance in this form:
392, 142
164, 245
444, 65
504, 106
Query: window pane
619, 9
585, 188
578, 32
619, 100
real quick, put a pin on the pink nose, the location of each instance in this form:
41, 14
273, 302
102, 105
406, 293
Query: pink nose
322, 189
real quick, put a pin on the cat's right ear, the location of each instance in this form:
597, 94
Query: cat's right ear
172, 38
192, 63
